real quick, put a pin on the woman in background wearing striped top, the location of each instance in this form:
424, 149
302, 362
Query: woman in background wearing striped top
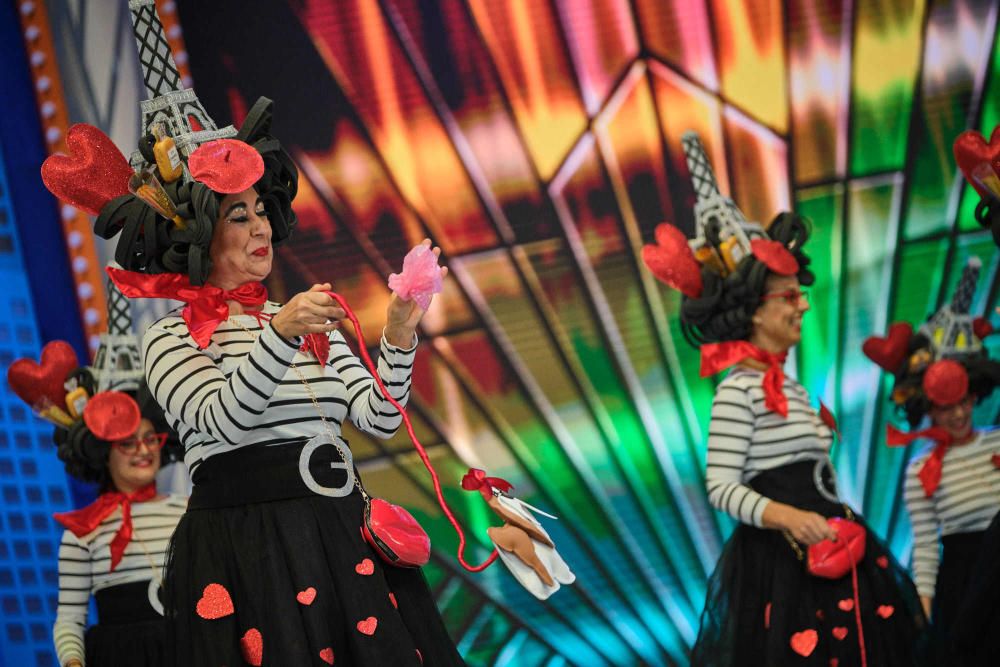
114, 549
768, 454
952, 486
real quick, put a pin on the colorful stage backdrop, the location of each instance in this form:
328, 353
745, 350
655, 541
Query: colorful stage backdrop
538, 142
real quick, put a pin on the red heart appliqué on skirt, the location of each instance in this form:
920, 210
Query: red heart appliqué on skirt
252, 646
214, 603
367, 626
307, 596
804, 643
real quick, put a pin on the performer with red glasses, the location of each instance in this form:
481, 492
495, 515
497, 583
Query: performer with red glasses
114, 549
783, 592
952, 487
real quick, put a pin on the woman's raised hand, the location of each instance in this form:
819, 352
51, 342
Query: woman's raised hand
402, 317
308, 312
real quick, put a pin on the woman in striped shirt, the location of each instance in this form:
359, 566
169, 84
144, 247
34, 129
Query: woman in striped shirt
269, 566
768, 455
114, 549
952, 486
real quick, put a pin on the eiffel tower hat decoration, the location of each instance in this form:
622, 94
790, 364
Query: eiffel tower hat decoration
163, 203
118, 363
721, 271
723, 236
944, 359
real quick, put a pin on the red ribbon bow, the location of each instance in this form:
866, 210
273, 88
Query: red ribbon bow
206, 305
930, 472
83, 521
717, 357
476, 480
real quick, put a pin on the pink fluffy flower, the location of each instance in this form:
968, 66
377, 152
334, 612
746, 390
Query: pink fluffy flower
420, 279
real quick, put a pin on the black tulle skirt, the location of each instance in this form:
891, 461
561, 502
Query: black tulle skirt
306, 589
129, 632
762, 604
974, 630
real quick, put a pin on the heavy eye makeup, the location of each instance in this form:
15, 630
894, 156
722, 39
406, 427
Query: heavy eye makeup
238, 212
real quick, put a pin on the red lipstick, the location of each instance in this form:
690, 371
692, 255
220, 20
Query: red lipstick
260, 252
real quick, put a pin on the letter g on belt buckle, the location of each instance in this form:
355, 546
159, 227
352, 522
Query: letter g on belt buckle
347, 465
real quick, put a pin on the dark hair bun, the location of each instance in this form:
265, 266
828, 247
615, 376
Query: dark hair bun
84, 455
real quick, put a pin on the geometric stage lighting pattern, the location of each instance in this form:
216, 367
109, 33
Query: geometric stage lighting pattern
538, 143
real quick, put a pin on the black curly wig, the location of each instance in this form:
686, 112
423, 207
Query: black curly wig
988, 215
85, 456
725, 309
908, 388
150, 243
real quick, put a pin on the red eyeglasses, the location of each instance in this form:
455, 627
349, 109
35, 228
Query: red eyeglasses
791, 296
154, 442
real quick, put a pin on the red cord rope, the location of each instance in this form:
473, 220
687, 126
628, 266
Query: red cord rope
857, 604
413, 438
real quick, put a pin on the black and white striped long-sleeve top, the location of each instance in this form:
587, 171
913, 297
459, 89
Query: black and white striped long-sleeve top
85, 565
745, 438
241, 390
966, 500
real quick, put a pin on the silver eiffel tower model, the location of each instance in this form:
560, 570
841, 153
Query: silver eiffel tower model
175, 107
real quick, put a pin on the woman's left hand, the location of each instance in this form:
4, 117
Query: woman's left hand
402, 317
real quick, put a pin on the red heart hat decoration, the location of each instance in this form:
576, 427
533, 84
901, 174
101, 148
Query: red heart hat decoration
775, 256
32, 382
890, 351
112, 415
94, 172
982, 328
946, 382
226, 166
979, 160
672, 261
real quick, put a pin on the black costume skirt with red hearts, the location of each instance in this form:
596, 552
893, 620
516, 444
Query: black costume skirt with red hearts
262, 571
975, 625
129, 631
764, 609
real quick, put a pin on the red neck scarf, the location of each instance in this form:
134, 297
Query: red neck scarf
206, 306
930, 472
83, 521
717, 357
476, 480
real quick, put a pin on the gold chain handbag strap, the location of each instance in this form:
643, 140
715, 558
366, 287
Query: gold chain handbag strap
315, 401
797, 548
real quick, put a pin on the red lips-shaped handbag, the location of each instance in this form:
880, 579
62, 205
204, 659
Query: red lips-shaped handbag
832, 560
395, 534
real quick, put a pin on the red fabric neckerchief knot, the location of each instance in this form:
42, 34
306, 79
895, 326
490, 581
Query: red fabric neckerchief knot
85, 520
930, 472
716, 357
207, 306
476, 480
